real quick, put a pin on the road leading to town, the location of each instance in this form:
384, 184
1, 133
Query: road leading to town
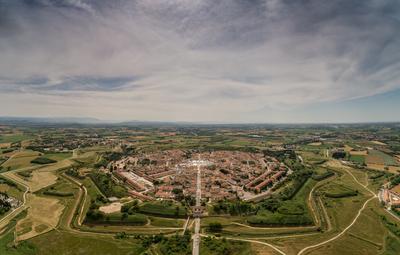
196, 237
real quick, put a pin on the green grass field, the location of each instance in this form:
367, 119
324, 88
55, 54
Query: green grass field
13, 191
164, 222
337, 190
14, 138
341, 213
359, 159
56, 242
163, 208
58, 156
23, 248
213, 246
376, 157
119, 219
20, 159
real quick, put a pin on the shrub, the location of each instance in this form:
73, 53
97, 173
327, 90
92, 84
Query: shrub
215, 227
339, 191
107, 186
350, 193
121, 235
163, 208
94, 216
277, 219
320, 177
25, 174
291, 208
8, 182
43, 161
74, 173
58, 193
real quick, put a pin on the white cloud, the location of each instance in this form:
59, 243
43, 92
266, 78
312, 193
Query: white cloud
195, 60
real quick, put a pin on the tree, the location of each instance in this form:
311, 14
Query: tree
215, 227
121, 235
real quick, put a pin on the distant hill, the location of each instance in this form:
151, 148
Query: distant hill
82, 121
56, 120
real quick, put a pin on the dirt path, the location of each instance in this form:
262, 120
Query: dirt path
259, 242
351, 224
341, 233
289, 228
185, 225
364, 185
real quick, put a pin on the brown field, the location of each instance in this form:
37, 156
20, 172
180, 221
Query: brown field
43, 212
376, 166
360, 153
42, 177
380, 167
315, 144
43, 216
38, 180
274, 142
4, 145
260, 249
396, 189
374, 160
20, 159
25, 143
347, 148
4, 187
394, 169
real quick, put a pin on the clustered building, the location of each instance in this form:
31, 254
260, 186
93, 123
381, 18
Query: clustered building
171, 174
390, 198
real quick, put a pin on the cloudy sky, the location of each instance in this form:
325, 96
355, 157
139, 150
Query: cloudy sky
201, 60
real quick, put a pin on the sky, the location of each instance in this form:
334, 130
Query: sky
236, 61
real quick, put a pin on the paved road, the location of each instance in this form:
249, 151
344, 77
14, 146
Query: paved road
196, 237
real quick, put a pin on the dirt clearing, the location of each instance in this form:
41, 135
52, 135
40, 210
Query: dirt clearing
111, 208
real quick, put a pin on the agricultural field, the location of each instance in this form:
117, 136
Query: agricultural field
380, 158
359, 159
56, 242
58, 156
76, 202
43, 215
20, 159
14, 138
